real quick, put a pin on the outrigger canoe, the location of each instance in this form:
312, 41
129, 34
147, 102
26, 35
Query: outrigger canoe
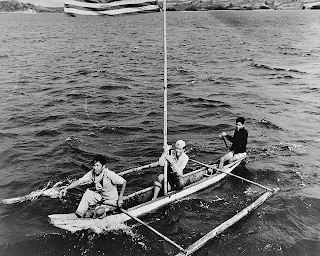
140, 203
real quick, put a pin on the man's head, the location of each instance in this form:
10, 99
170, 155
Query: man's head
179, 147
240, 123
99, 162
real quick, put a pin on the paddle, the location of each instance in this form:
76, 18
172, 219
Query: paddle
225, 142
153, 230
149, 227
231, 174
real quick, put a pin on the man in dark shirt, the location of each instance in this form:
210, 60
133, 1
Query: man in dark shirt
239, 143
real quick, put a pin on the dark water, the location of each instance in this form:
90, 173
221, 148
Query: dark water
74, 87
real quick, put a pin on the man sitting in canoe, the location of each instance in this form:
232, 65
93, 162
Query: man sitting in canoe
105, 192
239, 143
177, 161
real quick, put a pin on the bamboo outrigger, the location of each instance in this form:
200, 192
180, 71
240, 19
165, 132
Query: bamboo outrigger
216, 231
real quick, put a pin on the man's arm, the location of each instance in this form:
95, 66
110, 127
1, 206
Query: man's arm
85, 179
164, 155
178, 167
63, 192
120, 199
229, 137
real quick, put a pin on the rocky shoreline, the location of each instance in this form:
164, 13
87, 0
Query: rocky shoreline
13, 6
205, 5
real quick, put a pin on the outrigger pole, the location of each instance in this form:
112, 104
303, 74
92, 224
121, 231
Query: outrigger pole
165, 110
231, 174
216, 231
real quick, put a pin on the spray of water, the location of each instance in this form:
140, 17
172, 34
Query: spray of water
48, 190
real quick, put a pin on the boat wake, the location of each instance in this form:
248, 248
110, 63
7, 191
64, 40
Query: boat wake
286, 148
263, 66
114, 227
250, 191
48, 190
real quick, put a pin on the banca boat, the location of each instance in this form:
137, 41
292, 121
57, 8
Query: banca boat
141, 203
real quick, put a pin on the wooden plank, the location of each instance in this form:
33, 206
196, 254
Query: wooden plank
213, 233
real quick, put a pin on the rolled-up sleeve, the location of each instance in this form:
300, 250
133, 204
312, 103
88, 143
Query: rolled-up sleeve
116, 178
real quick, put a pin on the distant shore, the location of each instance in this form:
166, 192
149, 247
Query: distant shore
177, 5
203, 5
29, 11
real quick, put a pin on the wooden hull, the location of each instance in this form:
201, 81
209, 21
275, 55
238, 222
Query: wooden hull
140, 203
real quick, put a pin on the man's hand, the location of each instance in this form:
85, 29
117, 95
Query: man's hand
223, 135
98, 187
169, 158
120, 202
63, 192
167, 148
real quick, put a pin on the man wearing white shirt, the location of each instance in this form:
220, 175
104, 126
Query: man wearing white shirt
177, 161
105, 191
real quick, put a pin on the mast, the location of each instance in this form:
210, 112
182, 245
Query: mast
165, 110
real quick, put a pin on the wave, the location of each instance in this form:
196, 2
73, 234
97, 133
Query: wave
77, 95
14, 185
71, 127
200, 128
4, 56
121, 129
291, 147
204, 103
71, 81
287, 50
106, 241
291, 218
48, 132
4, 135
269, 125
289, 77
263, 66
114, 87
311, 90
54, 102
84, 72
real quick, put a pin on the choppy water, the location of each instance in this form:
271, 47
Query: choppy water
74, 87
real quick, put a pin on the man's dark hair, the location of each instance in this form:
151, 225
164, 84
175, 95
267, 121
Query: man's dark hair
240, 120
100, 158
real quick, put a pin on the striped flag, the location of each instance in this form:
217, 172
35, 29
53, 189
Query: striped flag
111, 7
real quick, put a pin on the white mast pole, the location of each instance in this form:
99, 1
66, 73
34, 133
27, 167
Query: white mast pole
165, 111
